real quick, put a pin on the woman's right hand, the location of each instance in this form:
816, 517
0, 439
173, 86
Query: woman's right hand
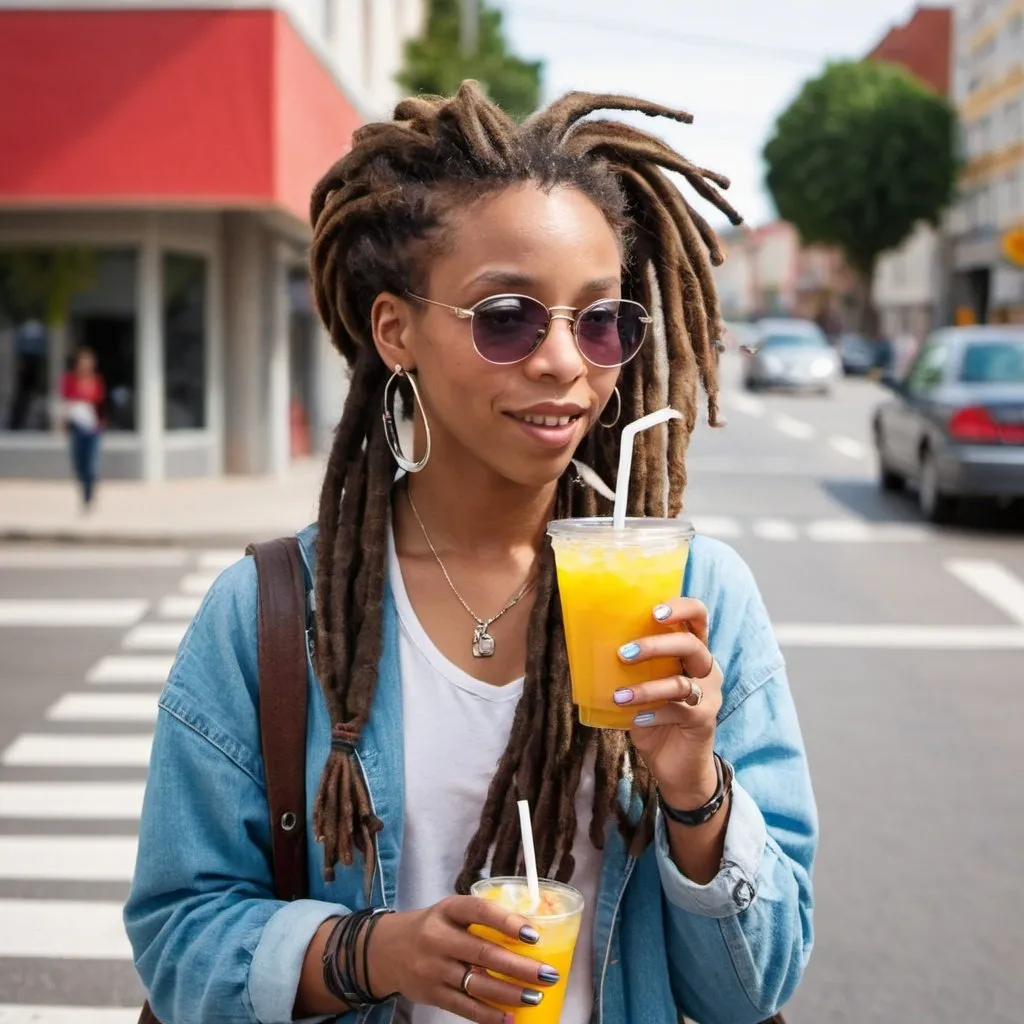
424, 954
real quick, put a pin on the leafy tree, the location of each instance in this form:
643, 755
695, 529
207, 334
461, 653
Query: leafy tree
434, 63
863, 154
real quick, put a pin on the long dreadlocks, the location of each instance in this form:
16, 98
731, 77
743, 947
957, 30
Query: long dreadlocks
377, 217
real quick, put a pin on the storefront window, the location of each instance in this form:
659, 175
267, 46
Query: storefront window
52, 301
184, 341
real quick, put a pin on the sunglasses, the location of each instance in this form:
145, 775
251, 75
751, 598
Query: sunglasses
507, 329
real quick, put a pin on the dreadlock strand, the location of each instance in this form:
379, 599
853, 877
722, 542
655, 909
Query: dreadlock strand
573, 107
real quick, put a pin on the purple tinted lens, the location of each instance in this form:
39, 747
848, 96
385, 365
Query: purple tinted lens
508, 328
611, 332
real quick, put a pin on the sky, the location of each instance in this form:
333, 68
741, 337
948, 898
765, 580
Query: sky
733, 64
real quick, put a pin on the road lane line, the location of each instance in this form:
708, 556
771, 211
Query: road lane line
992, 581
131, 668
155, 636
93, 613
43, 750
775, 529
891, 637
63, 930
716, 526
179, 606
31, 557
793, 428
197, 582
14, 1013
104, 707
68, 858
71, 801
746, 404
848, 447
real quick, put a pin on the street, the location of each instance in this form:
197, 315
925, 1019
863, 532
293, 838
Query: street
905, 649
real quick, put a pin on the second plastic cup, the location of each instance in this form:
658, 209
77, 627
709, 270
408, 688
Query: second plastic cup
610, 581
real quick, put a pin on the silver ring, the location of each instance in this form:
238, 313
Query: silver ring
695, 691
466, 979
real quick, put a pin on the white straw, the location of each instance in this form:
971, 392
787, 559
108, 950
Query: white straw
626, 458
529, 853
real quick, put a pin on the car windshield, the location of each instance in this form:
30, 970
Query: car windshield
791, 341
999, 361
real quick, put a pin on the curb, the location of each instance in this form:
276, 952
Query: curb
113, 538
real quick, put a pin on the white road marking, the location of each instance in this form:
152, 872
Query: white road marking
104, 707
716, 526
68, 858
746, 404
155, 636
63, 930
180, 606
44, 750
847, 446
775, 529
197, 582
131, 668
793, 428
992, 581
71, 801
31, 557
220, 560
94, 612
857, 531
12, 1013
948, 638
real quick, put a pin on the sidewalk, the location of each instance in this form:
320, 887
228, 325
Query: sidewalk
229, 510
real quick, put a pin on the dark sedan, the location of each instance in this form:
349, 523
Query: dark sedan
955, 425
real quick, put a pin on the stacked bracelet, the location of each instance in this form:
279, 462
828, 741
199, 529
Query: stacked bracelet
703, 814
341, 953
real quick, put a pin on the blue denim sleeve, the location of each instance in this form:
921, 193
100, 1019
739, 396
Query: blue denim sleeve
750, 928
210, 941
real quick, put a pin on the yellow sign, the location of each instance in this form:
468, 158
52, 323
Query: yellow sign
1013, 246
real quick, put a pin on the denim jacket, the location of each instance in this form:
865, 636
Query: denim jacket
212, 944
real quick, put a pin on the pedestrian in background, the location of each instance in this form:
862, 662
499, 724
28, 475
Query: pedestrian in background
84, 392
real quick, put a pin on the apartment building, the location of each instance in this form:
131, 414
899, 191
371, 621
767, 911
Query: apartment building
988, 223
154, 190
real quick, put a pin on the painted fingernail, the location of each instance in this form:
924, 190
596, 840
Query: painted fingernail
549, 975
622, 696
531, 997
645, 718
528, 934
627, 652
509, 1019
662, 612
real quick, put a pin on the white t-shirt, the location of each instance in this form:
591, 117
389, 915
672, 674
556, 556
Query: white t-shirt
456, 729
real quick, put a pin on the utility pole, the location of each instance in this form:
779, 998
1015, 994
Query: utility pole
469, 24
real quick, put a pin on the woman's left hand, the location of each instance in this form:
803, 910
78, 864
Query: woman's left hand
677, 741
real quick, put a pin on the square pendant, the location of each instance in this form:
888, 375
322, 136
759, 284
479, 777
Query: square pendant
483, 644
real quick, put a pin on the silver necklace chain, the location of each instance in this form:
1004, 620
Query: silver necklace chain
483, 642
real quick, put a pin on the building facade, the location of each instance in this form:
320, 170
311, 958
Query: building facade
154, 194
987, 225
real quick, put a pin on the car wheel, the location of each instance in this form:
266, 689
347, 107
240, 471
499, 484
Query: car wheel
935, 506
750, 385
888, 478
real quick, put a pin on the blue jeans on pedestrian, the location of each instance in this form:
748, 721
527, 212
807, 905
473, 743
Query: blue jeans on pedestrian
85, 453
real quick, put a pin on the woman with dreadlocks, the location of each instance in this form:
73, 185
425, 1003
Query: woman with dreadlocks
469, 266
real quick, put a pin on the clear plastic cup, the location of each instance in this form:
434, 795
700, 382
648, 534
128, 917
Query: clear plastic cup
610, 581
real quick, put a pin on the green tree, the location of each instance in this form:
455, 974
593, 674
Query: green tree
435, 64
862, 155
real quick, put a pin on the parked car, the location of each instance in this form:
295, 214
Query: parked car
954, 427
791, 354
860, 356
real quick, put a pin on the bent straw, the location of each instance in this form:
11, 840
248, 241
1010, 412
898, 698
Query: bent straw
529, 854
626, 458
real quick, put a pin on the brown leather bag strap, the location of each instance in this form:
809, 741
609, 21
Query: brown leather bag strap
283, 701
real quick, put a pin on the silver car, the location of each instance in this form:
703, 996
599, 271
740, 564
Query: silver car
791, 354
954, 427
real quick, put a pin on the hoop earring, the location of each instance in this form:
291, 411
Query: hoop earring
618, 411
390, 428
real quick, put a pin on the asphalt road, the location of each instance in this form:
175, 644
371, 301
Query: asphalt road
905, 647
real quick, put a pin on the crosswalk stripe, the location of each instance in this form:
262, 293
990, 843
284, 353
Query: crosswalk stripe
179, 606
197, 582
104, 707
94, 612
220, 560
793, 428
63, 930
131, 668
42, 750
68, 858
155, 636
746, 404
776, 529
71, 801
947, 638
716, 526
849, 447
31, 557
992, 581
13, 1013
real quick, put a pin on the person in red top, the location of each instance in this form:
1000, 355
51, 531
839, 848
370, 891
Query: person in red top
84, 393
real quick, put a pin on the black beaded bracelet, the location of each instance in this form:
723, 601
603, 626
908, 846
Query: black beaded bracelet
340, 957
704, 814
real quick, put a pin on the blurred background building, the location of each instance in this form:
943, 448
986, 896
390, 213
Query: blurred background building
154, 188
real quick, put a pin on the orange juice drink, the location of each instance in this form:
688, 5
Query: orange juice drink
610, 582
557, 919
